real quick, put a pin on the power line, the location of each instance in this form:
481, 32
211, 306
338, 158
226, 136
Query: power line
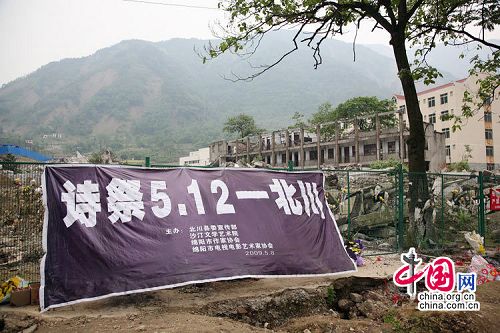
172, 4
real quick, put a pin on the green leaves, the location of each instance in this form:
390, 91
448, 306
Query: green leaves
428, 74
242, 124
352, 108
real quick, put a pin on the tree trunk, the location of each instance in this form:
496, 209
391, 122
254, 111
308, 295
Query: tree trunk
418, 189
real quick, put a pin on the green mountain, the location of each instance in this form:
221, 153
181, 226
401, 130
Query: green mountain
142, 98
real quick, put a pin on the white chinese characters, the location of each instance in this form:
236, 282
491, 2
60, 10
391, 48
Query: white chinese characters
124, 200
83, 204
286, 201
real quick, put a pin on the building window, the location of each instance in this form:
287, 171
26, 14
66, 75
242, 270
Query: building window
489, 150
444, 98
370, 149
490, 166
448, 151
451, 93
313, 155
446, 132
431, 102
487, 117
402, 109
444, 115
391, 147
283, 158
488, 134
330, 153
432, 118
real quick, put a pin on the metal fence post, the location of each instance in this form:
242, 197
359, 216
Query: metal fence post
147, 162
348, 207
441, 234
481, 226
400, 208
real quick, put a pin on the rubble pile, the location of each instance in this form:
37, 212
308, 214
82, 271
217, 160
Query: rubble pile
346, 298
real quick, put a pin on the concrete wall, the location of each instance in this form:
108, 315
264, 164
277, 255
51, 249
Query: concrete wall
200, 157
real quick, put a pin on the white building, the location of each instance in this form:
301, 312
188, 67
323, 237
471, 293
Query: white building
200, 157
480, 133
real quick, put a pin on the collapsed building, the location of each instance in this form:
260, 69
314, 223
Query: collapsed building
361, 141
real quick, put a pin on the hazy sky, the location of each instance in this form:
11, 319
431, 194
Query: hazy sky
36, 32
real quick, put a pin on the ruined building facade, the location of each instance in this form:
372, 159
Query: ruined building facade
360, 141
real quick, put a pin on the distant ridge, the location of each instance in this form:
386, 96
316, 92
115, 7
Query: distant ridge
142, 98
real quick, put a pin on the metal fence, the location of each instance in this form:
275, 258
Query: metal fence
371, 205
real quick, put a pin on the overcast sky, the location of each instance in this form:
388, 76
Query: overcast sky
36, 32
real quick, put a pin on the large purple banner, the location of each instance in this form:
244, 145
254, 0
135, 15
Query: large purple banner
117, 230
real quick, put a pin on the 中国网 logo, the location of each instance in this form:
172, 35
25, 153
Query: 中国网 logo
440, 281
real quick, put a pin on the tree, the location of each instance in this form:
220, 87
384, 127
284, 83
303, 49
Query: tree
242, 124
298, 121
352, 108
416, 21
10, 162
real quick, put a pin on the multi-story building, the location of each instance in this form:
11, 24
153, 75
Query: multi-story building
200, 157
479, 134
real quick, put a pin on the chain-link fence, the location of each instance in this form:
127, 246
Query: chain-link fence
371, 205
365, 206
21, 220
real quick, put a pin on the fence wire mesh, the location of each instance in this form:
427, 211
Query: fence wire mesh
21, 220
364, 204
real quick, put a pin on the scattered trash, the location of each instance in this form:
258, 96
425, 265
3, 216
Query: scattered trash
20, 296
485, 271
8, 286
475, 241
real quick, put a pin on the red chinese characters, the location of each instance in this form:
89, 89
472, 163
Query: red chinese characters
439, 274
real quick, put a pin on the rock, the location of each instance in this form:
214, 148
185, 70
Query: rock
141, 328
353, 313
30, 329
345, 304
356, 298
241, 310
307, 331
371, 295
366, 308
334, 313
385, 246
383, 232
363, 237
372, 309
258, 164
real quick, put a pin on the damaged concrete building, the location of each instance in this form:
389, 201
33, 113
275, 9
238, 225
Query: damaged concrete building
361, 141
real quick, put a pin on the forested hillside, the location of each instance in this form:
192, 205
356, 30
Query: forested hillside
143, 98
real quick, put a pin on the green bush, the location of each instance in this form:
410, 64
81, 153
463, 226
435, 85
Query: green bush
384, 164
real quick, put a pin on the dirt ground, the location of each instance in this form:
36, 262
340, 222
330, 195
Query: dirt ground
264, 305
